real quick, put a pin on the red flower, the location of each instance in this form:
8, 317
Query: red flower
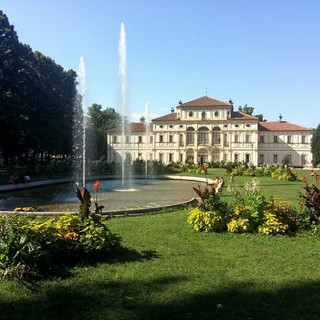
97, 186
204, 169
304, 179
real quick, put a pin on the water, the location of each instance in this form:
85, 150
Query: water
147, 137
125, 165
82, 90
62, 198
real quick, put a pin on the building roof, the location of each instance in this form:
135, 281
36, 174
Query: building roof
168, 117
238, 115
203, 102
133, 127
281, 126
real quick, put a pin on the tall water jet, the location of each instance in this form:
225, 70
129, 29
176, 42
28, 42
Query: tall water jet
123, 97
147, 137
82, 90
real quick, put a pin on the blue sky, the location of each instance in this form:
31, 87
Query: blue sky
262, 53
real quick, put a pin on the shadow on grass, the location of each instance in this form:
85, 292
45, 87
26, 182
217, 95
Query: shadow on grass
160, 298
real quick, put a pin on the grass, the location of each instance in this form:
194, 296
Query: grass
166, 270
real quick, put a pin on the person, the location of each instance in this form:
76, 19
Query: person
26, 178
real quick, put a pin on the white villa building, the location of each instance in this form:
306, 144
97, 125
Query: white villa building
206, 129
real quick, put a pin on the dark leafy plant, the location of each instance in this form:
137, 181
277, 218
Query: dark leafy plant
311, 200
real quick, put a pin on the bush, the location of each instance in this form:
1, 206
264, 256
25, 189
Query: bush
35, 248
206, 220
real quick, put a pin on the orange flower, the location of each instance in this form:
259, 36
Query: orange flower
304, 179
97, 186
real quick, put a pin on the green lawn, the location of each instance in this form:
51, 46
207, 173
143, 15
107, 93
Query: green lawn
166, 270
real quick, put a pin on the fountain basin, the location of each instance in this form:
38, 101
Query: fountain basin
141, 196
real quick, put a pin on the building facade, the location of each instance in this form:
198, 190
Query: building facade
206, 129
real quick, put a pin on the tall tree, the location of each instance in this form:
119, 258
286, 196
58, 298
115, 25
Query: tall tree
36, 99
100, 121
315, 146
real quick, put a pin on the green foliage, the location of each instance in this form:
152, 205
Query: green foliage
37, 98
206, 220
283, 172
250, 211
35, 248
315, 147
311, 201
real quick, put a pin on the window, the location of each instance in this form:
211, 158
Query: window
275, 158
170, 157
114, 139
261, 139
303, 159
170, 138
248, 125
303, 139
236, 138
181, 139
203, 136
190, 136
161, 138
127, 139
289, 138
190, 114
160, 156
225, 139
151, 139
203, 115
248, 138
275, 139
216, 135
261, 158
139, 139
216, 114
236, 157
289, 158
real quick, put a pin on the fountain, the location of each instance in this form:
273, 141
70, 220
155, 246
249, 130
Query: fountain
147, 137
62, 198
80, 124
124, 102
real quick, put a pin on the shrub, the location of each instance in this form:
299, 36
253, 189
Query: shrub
238, 225
206, 220
32, 247
272, 225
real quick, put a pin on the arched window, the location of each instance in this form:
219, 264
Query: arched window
216, 135
190, 135
203, 135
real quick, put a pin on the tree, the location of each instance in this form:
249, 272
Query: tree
249, 110
315, 146
37, 99
100, 121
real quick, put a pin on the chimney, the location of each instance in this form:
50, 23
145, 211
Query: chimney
280, 117
142, 119
172, 110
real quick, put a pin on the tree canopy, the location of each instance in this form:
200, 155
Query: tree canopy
100, 121
37, 98
249, 110
315, 146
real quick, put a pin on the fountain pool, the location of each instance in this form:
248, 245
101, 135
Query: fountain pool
141, 195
